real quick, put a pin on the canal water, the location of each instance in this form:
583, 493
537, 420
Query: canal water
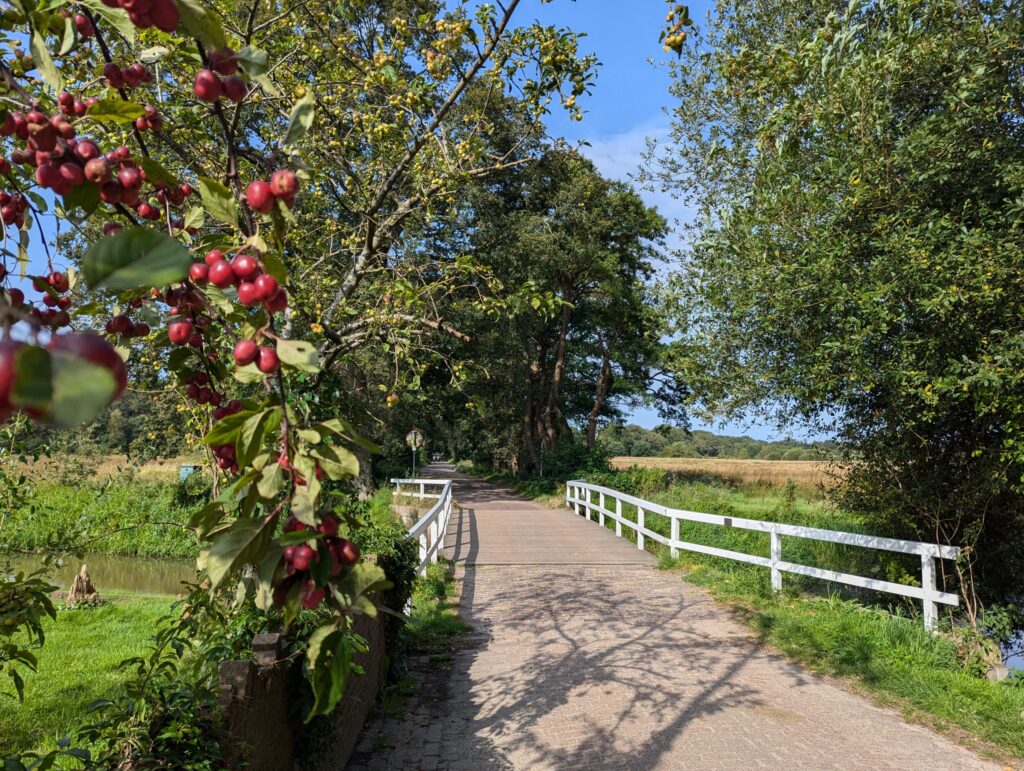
122, 574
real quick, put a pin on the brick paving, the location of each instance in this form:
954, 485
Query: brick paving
583, 656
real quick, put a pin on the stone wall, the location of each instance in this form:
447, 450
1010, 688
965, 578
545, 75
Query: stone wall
259, 706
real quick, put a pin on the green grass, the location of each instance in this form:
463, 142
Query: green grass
79, 664
435, 627
134, 517
878, 641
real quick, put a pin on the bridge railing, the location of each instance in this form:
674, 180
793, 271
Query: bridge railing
588, 499
430, 529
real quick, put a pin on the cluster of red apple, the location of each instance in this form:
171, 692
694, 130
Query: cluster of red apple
245, 273
85, 345
12, 207
209, 85
52, 287
82, 24
261, 194
126, 77
297, 559
63, 162
162, 14
247, 351
121, 325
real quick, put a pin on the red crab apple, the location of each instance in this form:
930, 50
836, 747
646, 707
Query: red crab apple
212, 256
234, 89
328, 526
221, 275
247, 293
266, 286
259, 197
267, 361
284, 183
245, 352
97, 350
179, 332
8, 350
244, 266
198, 272
312, 596
208, 86
303, 556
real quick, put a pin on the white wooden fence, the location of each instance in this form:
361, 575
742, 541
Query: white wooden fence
580, 496
432, 526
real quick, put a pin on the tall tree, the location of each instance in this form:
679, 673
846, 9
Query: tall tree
857, 260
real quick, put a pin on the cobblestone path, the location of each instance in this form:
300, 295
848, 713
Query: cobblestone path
584, 656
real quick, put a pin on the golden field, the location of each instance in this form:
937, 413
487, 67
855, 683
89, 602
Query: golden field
805, 473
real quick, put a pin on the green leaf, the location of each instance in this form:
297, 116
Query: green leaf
157, 174
273, 265
81, 389
33, 378
194, 217
243, 542
253, 431
268, 85
249, 374
337, 462
85, 197
202, 23
137, 258
154, 54
253, 61
115, 111
271, 480
219, 201
304, 506
299, 355
43, 60
227, 429
363, 579
115, 17
265, 572
301, 119
69, 38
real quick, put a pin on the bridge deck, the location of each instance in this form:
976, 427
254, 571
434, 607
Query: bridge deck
583, 656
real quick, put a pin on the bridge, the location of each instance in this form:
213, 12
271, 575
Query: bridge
585, 656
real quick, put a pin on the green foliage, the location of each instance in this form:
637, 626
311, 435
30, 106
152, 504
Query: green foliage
144, 519
856, 261
80, 663
675, 442
435, 627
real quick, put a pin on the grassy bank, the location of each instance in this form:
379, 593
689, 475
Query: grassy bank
131, 517
80, 663
876, 642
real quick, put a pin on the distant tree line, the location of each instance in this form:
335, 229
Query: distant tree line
674, 442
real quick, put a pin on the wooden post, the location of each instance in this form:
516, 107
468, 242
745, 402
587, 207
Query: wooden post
639, 525
587, 507
931, 608
433, 538
776, 554
600, 510
618, 517
423, 490
673, 549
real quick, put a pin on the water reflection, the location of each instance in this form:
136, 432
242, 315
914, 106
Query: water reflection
119, 573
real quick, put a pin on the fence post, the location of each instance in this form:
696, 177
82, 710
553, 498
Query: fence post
673, 549
433, 538
587, 507
776, 559
931, 608
618, 517
423, 553
600, 510
639, 525
423, 490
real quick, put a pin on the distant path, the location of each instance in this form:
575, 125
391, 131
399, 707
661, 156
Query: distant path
585, 657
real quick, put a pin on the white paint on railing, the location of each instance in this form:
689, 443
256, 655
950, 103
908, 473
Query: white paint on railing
431, 528
578, 496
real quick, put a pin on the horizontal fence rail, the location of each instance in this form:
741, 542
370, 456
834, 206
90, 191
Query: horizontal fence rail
430, 529
580, 496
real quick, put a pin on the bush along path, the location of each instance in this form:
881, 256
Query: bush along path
583, 654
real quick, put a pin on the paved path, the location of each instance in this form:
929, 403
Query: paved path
583, 656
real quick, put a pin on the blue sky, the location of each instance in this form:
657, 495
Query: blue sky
626, 107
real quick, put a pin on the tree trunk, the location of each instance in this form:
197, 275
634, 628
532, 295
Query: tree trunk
552, 413
604, 385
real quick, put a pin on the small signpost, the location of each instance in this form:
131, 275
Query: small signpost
415, 440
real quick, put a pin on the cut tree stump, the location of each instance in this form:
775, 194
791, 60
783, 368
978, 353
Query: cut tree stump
82, 589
